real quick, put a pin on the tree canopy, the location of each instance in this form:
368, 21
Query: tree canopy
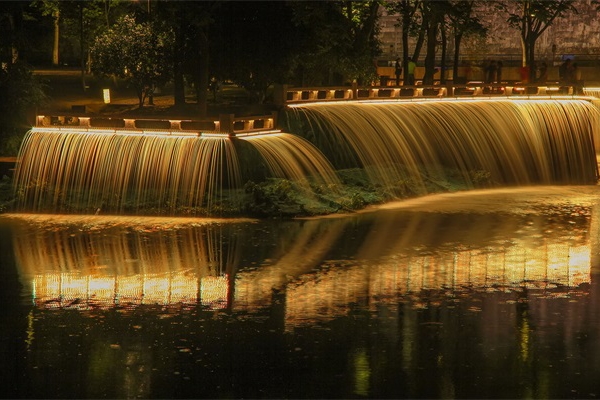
135, 52
531, 18
252, 43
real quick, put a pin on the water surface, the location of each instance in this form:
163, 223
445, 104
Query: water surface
490, 294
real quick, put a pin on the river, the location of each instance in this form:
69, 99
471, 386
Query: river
482, 294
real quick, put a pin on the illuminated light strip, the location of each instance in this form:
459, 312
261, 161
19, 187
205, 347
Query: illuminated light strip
241, 133
448, 99
515, 92
139, 132
46, 129
186, 134
215, 134
157, 132
76, 129
257, 133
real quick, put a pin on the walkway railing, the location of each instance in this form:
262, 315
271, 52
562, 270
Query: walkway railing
229, 125
293, 95
225, 125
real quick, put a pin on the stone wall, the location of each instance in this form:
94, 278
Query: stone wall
576, 34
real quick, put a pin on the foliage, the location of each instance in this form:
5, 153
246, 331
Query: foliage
531, 18
20, 94
80, 22
284, 198
139, 53
463, 23
191, 23
83, 21
6, 194
339, 41
254, 45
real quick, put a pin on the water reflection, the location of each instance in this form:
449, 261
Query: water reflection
69, 265
500, 295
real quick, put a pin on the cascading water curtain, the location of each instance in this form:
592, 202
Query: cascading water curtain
516, 142
87, 172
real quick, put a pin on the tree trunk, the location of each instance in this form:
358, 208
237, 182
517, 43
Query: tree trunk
529, 56
81, 47
405, 30
141, 97
202, 81
14, 25
419, 44
431, 44
178, 82
56, 37
457, 40
443, 62
523, 52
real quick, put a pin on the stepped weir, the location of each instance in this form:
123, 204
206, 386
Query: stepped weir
128, 166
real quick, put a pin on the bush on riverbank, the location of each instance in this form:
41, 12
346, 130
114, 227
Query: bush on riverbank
20, 93
6, 194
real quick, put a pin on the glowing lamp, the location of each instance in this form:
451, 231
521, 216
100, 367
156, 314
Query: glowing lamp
106, 93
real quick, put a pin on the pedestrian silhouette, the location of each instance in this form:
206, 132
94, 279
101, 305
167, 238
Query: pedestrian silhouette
398, 71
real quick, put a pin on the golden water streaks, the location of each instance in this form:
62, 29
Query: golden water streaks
516, 141
97, 171
76, 266
292, 157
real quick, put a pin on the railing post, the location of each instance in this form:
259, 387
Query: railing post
175, 124
449, 89
280, 94
275, 122
84, 121
226, 123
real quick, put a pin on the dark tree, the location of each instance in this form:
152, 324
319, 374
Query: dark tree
463, 23
20, 91
531, 18
338, 41
433, 12
254, 44
191, 22
136, 52
407, 11
11, 30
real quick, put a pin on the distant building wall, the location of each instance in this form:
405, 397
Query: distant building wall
576, 34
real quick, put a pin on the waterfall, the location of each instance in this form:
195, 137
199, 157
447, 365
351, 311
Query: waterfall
516, 142
500, 142
91, 171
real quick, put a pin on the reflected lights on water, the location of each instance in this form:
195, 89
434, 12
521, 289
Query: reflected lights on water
82, 268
